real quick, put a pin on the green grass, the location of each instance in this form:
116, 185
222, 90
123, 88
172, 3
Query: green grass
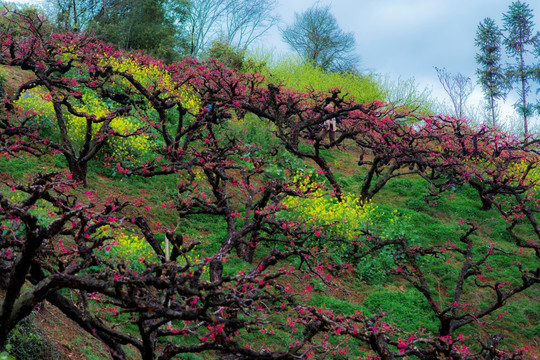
401, 308
298, 75
402, 210
420, 222
28, 342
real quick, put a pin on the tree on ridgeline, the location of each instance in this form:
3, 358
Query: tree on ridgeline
225, 54
521, 41
235, 22
154, 26
490, 72
316, 36
150, 25
248, 20
73, 14
458, 87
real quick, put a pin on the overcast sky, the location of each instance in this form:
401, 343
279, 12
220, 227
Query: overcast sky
407, 38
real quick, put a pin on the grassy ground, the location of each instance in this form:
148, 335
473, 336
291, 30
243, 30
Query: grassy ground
370, 287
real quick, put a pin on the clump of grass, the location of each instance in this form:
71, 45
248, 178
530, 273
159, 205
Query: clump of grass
28, 342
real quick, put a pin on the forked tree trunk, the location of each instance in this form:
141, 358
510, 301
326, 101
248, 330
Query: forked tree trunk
78, 169
484, 197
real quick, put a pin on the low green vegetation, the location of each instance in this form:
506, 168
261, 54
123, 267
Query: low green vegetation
299, 75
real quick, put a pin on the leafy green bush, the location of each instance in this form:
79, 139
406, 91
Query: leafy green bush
376, 269
27, 342
6, 356
402, 308
226, 54
296, 74
408, 93
416, 204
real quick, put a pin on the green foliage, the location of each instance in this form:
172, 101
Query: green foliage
417, 204
28, 342
407, 187
214, 227
389, 223
340, 306
19, 167
6, 356
253, 130
534, 332
402, 307
490, 72
407, 93
190, 356
376, 269
299, 75
90, 353
315, 35
227, 55
149, 25
521, 39
2, 81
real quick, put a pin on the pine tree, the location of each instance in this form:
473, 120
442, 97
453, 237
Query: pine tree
521, 40
490, 71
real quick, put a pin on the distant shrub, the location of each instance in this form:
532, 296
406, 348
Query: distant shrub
299, 75
335, 225
27, 342
408, 93
130, 248
388, 224
416, 204
226, 54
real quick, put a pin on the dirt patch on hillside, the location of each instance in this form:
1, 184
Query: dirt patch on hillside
14, 77
68, 339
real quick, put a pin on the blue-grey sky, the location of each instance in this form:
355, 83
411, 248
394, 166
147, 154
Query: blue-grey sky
407, 38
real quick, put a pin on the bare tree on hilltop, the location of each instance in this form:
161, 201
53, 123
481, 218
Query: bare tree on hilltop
458, 87
237, 22
316, 36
